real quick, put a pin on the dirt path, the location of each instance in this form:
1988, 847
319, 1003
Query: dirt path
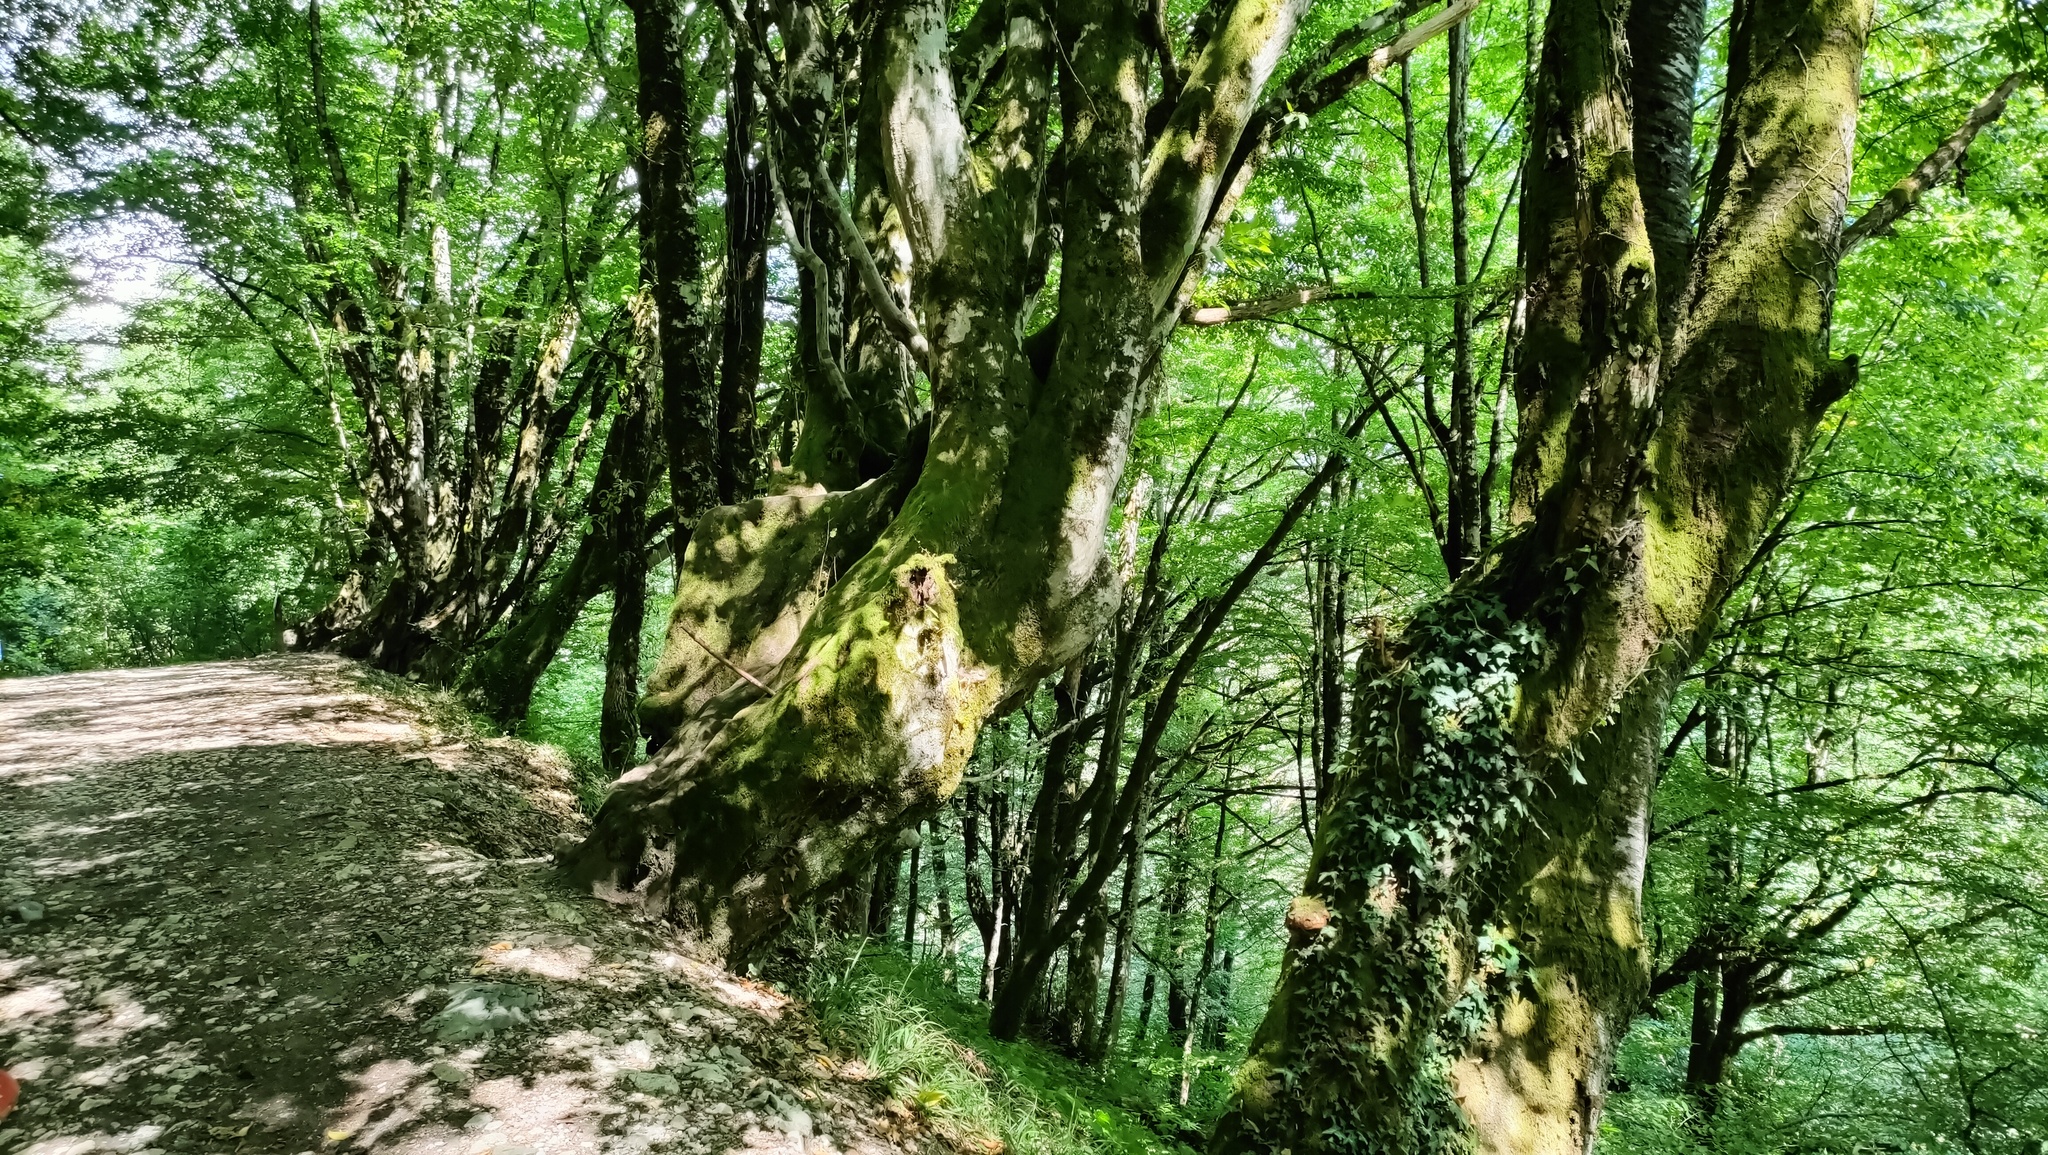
266, 906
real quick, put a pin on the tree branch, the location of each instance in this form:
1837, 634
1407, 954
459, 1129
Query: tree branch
1904, 196
1778, 1029
1258, 309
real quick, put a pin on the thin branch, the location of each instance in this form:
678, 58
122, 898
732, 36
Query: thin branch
722, 660
1258, 309
1905, 195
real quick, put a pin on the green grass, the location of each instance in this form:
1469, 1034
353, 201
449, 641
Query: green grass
932, 1049
569, 697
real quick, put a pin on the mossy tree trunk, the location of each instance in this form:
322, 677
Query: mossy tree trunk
624, 512
837, 646
1468, 949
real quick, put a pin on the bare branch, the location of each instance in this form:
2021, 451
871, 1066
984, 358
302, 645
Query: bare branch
1904, 196
1777, 1029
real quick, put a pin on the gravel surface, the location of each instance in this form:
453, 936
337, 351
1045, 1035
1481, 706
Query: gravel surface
284, 906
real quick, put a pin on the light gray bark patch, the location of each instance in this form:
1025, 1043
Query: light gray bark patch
922, 138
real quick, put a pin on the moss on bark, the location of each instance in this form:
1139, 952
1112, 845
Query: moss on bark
1481, 861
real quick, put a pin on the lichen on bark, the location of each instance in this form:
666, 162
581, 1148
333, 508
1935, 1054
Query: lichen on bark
1505, 964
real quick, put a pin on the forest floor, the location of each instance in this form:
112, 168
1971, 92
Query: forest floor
282, 906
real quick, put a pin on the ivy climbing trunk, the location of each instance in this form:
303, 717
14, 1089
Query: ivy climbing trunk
1468, 949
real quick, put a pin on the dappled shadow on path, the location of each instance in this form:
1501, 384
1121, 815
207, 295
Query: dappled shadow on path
237, 895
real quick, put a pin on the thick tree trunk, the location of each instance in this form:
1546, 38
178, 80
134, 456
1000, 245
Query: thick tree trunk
746, 277
350, 604
671, 255
993, 572
1468, 949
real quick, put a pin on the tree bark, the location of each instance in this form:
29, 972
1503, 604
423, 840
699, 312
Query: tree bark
1664, 39
671, 254
942, 911
1084, 981
1200, 1015
500, 680
1103, 1042
1145, 995
882, 894
626, 512
1468, 948
1464, 522
1052, 831
745, 296
993, 572
910, 906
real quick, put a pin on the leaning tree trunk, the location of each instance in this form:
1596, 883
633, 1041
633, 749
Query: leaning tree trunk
834, 654
1468, 949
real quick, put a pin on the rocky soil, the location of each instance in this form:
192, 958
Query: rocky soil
282, 906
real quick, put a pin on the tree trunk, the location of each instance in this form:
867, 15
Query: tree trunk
1217, 1037
882, 894
1084, 980
980, 895
1106, 808
1145, 995
671, 254
1715, 894
746, 277
618, 727
1464, 525
1199, 1015
1052, 831
994, 571
500, 681
1468, 949
910, 907
1173, 931
942, 902
1104, 1040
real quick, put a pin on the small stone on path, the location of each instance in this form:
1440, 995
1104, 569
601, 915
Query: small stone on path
653, 1082
448, 1072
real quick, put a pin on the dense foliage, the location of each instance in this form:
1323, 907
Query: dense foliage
1848, 842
